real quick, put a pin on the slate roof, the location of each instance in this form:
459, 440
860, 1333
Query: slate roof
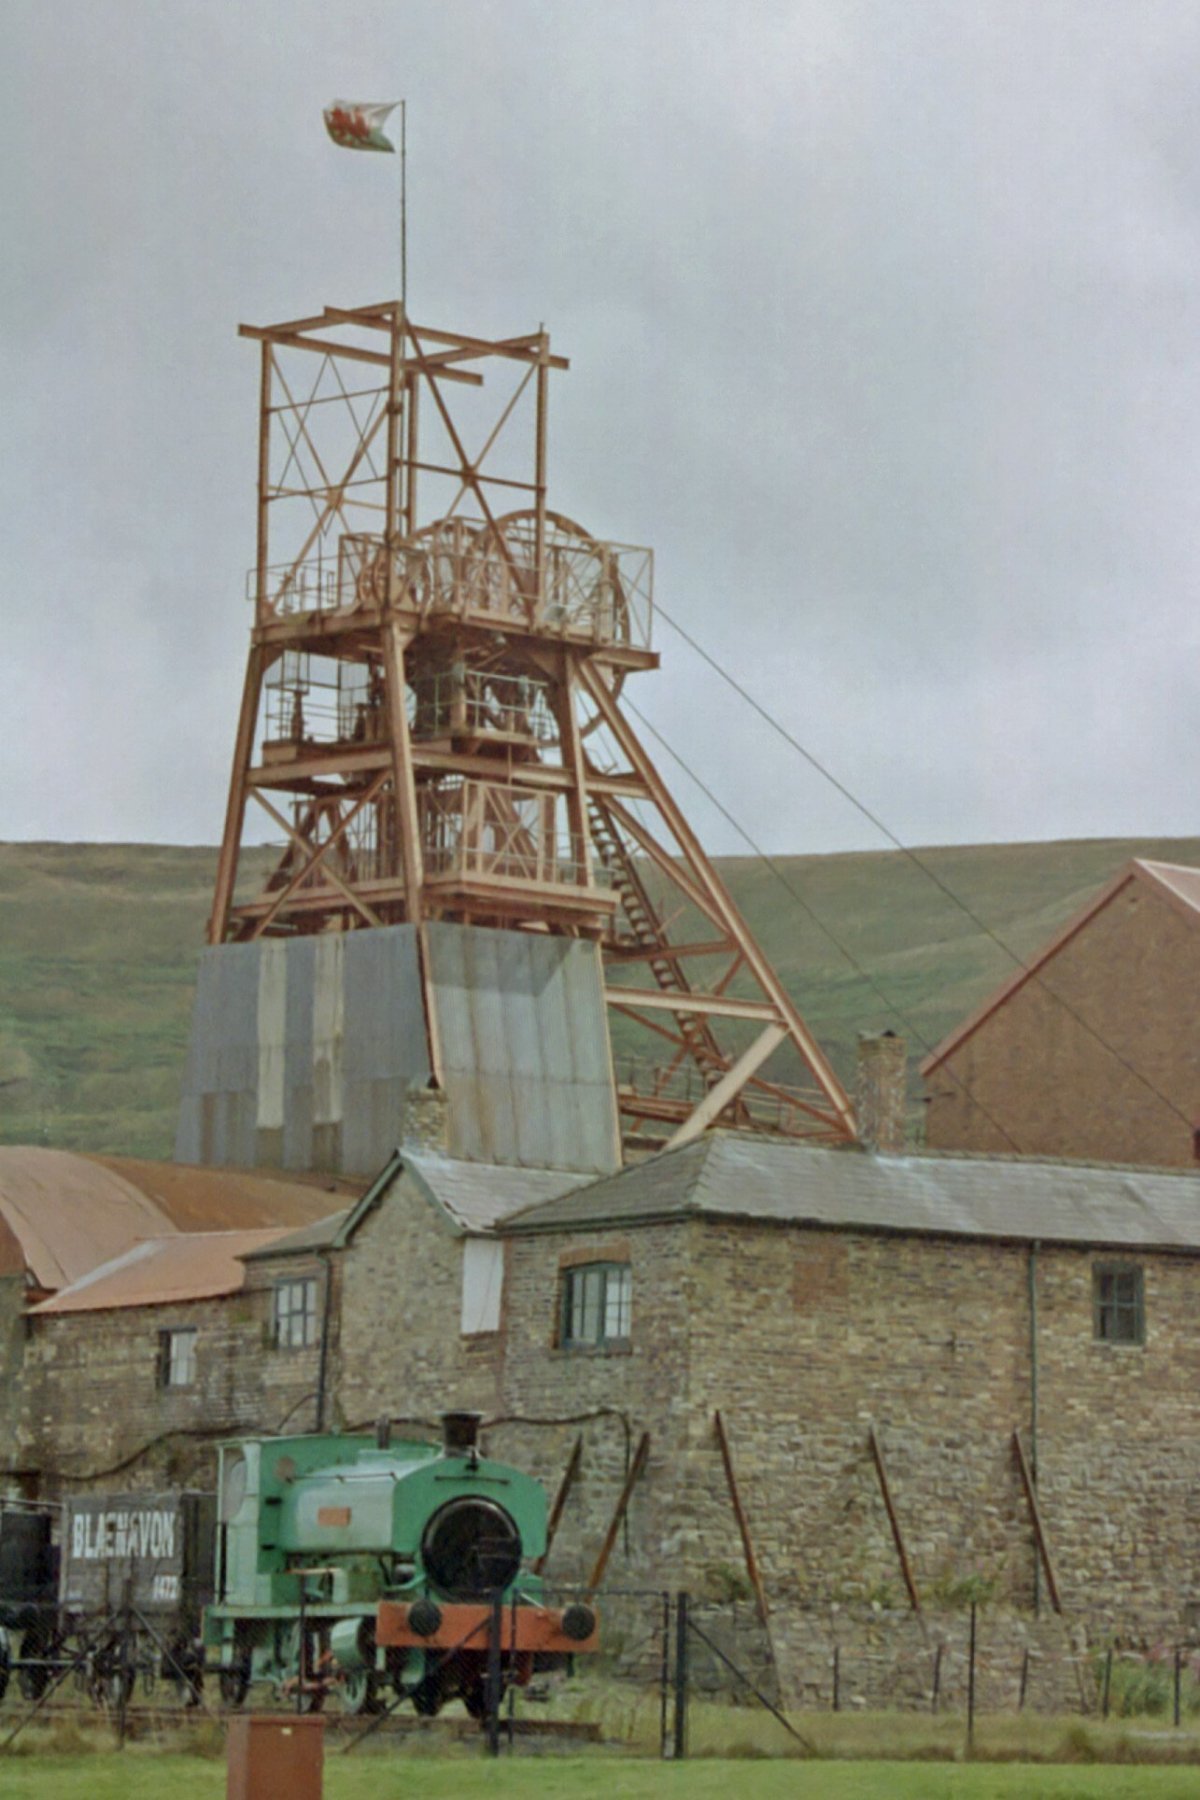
730, 1175
475, 1197
1173, 882
189, 1266
322, 1235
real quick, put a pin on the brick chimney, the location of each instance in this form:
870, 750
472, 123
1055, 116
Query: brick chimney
427, 1121
882, 1091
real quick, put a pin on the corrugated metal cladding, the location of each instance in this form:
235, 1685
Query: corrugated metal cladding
218, 1114
524, 1046
303, 1051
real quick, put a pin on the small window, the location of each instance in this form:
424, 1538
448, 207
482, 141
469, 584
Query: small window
295, 1325
177, 1359
595, 1305
1118, 1304
482, 1285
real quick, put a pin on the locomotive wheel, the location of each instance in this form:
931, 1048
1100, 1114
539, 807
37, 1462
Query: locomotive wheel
474, 1698
112, 1687
32, 1682
360, 1692
235, 1682
41, 1644
184, 1665
429, 1696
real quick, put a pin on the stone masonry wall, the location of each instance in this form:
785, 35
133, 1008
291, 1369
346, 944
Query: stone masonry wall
1119, 1445
402, 1349
12, 1356
807, 1339
93, 1413
1050, 1084
645, 1386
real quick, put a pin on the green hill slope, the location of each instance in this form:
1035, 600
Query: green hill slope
99, 942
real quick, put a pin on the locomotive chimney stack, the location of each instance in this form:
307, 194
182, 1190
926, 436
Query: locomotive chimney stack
460, 1433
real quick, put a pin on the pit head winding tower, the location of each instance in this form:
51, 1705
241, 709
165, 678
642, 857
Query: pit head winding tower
477, 860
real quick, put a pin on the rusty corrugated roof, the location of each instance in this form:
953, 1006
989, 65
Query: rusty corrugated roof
203, 1199
63, 1213
70, 1214
188, 1266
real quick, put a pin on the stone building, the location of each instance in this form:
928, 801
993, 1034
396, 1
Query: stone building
842, 1310
64, 1217
1092, 1050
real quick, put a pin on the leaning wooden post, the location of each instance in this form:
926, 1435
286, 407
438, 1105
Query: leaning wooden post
752, 1569
560, 1501
1035, 1515
886, 1491
606, 1549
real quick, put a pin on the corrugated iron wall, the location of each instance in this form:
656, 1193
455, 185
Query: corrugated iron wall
303, 1050
525, 1053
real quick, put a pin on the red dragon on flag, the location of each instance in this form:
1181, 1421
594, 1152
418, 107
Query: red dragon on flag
358, 125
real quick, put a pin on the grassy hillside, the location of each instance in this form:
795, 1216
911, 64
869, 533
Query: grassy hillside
98, 949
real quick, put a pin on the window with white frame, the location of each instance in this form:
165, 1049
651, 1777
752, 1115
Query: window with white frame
295, 1319
177, 1358
595, 1305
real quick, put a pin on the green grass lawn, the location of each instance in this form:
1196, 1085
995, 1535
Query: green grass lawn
141, 1774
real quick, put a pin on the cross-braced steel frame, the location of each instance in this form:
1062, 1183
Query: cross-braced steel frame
432, 722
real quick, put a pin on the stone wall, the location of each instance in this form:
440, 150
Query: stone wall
1031, 1077
1119, 1445
806, 1340
608, 1396
12, 1356
94, 1414
402, 1350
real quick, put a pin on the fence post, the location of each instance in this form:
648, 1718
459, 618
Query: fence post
1107, 1682
937, 1678
837, 1670
971, 1684
681, 1674
1024, 1680
664, 1675
492, 1692
1178, 1680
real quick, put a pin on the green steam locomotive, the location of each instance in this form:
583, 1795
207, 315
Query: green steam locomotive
353, 1566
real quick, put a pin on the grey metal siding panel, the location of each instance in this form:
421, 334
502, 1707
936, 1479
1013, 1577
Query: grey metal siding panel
298, 1079
386, 1048
221, 1079
524, 1042
523, 1031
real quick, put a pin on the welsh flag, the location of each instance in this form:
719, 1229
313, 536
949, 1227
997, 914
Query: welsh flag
358, 126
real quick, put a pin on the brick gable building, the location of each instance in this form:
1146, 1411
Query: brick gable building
1093, 1049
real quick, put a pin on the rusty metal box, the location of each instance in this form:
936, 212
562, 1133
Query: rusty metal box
275, 1757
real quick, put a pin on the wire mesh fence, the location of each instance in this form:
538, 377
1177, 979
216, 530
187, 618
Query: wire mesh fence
664, 1674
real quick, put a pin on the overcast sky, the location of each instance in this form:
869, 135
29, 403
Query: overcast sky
884, 323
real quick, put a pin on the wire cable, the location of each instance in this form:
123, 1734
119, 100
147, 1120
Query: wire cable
918, 862
911, 1029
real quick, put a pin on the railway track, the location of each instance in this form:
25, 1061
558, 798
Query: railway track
170, 1715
